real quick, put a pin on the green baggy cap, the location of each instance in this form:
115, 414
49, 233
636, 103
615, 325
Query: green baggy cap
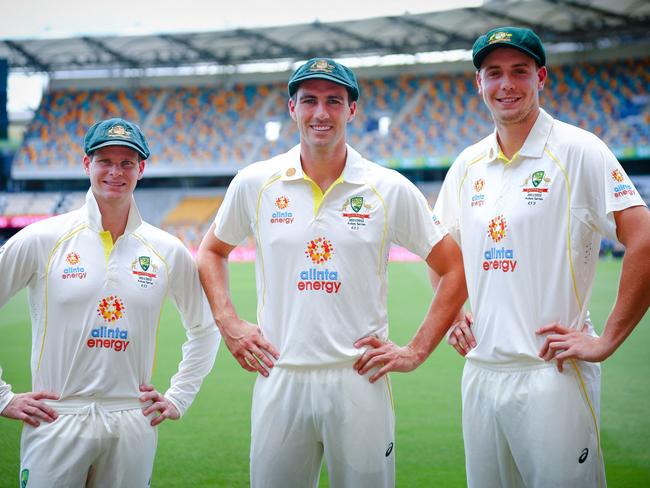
326, 69
525, 40
116, 132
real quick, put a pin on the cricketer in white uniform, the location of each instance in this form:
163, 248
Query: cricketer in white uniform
323, 218
528, 205
97, 279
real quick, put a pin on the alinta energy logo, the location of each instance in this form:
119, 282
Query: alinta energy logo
283, 216
499, 258
110, 309
75, 270
478, 199
622, 189
317, 278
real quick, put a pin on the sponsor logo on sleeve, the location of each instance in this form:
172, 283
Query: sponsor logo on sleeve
357, 211
499, 258
535, 187
282, 216
622, 189
111, 309
144, 271
479, 198
318, 277
74, 269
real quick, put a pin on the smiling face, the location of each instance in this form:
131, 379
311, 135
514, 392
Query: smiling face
321, 108
509, 82
114, 171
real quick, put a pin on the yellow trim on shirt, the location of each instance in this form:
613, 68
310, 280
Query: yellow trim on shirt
107, 243
469, 165
504, 158
593, 414
390, 392
47, 273
385, 231
160, 312
568, 230
318, 194
260, 305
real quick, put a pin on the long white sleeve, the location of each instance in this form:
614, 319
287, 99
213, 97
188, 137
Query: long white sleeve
5, 393
200, 349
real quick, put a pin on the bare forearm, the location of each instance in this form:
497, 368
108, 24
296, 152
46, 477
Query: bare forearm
633, 298
444, 310
434, 279
213, 272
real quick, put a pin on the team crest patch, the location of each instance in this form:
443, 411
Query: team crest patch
479, 198
75, 270
617, 176
356, 203
500, 37
360, 212
118, 131
321, 65
145, 262
144, 271
535, 187
24, 478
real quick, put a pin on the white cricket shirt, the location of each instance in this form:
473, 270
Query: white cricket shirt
530, 232
95, 306
321, 259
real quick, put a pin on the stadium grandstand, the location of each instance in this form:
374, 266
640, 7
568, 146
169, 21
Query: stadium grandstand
214, 102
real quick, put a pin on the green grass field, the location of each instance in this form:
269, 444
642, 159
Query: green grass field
209, 446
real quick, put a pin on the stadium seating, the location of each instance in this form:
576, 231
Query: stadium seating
190, 218
199, 129
28, 203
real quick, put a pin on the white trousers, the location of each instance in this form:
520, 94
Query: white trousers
532, 427
299, 414
89, 446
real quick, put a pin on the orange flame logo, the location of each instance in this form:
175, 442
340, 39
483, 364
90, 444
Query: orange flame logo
319, 250
282, 202
110, 309
497, 228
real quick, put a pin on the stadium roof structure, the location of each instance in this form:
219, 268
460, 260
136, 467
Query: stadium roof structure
585, 24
